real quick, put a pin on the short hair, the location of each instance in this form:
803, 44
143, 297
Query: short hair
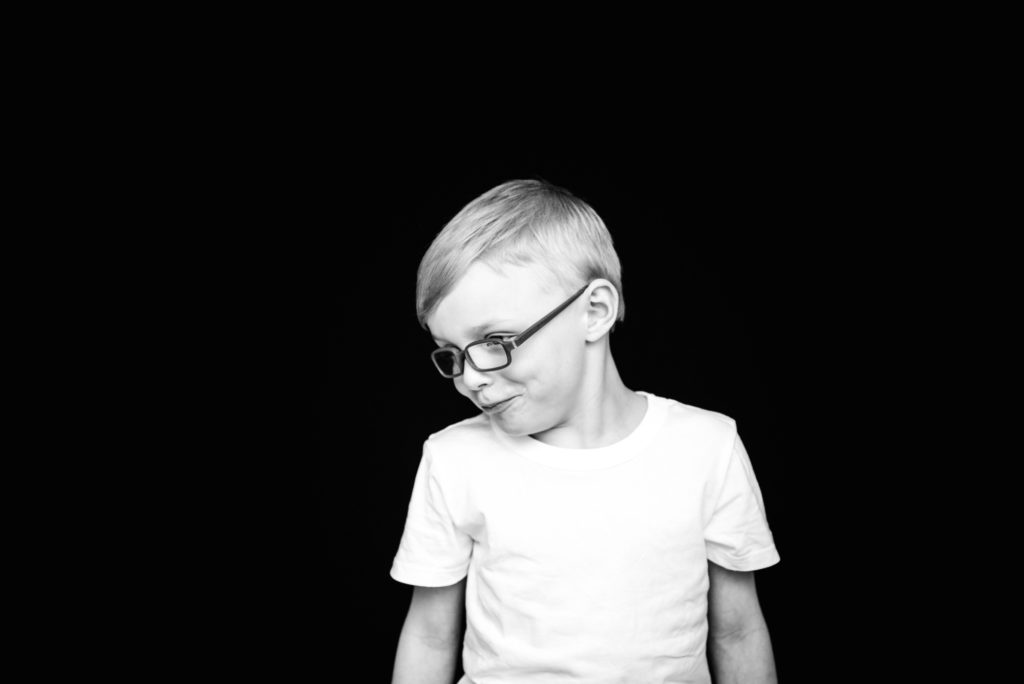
520, 222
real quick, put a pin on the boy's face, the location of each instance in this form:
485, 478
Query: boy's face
545, 376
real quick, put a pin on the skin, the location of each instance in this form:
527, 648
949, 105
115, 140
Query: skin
739, 646
568, 390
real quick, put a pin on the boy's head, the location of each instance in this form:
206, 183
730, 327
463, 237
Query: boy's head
520, 222
510, 258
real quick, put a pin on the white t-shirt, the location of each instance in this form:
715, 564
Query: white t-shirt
585, 565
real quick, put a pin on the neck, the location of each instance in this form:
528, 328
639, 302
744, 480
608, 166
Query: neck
605, 411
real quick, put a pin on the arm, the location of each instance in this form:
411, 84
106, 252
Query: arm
428, 647
738, 641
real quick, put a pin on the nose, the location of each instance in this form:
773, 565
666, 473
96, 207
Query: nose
472, 378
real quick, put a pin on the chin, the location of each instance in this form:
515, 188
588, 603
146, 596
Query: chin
518, 428
514, 430
510, 425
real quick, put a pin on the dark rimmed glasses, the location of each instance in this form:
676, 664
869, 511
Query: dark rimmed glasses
491, 354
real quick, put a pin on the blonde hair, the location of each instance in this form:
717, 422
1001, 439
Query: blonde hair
520, 222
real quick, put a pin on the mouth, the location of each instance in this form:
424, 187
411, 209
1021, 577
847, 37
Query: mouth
497, 406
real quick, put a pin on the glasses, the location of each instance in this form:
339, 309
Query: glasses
491, 354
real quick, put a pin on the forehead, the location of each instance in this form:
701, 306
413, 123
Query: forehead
485, 297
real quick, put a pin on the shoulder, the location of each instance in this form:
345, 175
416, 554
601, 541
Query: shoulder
696, 421
460, 453
475, 427
463, 437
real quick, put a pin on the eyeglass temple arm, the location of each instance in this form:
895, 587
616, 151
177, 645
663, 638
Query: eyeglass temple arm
523, 336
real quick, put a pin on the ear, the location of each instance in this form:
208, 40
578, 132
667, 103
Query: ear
602, 309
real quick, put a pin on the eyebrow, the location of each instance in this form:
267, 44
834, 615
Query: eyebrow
477, 330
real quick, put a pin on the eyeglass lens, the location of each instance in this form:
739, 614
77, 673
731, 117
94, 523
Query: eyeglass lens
485, 356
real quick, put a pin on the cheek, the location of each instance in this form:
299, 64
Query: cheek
567, 360
552, 373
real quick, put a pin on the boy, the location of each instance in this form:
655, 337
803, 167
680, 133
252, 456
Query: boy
591, 533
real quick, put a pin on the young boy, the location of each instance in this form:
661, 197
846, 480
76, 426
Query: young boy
591, 533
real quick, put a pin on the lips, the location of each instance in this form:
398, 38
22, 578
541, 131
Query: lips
488, 407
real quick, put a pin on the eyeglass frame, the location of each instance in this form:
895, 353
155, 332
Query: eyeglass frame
508, 344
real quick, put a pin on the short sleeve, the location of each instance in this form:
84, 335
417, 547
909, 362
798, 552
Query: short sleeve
433, 552
737, 535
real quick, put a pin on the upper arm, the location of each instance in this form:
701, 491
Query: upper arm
436, 613
733, 607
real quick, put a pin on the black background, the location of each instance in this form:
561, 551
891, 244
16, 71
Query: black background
775, 263
819, 243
